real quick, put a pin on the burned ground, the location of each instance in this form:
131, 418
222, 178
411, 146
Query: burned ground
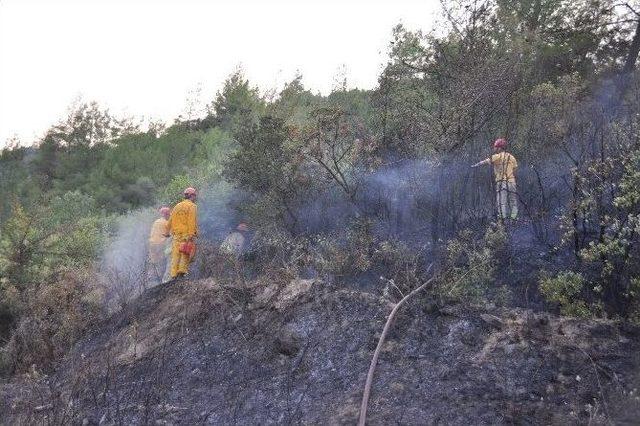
199, 353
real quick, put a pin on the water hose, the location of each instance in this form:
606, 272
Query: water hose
376, 354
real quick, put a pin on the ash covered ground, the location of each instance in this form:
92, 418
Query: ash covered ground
199, 353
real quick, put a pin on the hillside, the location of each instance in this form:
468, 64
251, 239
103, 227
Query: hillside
496, 158
197, 353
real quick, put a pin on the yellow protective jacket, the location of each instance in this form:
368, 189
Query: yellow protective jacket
158, 231
504, 167
184, 219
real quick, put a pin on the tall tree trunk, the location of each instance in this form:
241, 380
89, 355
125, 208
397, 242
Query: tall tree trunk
630, 63
634, 49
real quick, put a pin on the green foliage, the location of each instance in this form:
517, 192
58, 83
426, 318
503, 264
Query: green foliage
173, 192
213, 151
629, 196
529, 70
77, 145
345, 253
566, 289
549, 110
440, 93
265, 163
471, 265
120, 166
560, 36
295, 104
610, 197
36, 241
15, 178
137, 166
237, 104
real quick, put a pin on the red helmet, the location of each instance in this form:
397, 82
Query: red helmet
164, 210
500, 143
189, 191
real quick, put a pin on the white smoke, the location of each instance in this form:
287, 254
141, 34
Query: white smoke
122, 269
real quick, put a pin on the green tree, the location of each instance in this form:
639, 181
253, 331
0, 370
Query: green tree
34, 241
294, 103
236, 102
267, 163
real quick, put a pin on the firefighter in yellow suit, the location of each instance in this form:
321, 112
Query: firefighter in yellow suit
157, 242
504, 169
183, 227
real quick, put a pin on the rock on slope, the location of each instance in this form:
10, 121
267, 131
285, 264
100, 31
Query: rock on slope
195, 353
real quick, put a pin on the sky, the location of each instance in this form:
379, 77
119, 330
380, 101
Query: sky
145, 58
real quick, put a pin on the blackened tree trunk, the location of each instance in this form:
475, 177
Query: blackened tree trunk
634, 49
630, 63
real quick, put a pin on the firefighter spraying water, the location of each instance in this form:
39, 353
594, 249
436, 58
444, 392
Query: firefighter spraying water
504, 168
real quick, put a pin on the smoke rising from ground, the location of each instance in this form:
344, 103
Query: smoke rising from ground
218, 211
420, 202
124, 258
428, 200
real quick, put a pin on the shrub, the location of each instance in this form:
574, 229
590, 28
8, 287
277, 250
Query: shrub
267, 165
604, 227
634, 295
10, 307
345, 253
55, 315
470, 265
173, 193
403, 266
566, 289
274, 249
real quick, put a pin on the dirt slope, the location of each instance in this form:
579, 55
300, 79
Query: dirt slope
194, 353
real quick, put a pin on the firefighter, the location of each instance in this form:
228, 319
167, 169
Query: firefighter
236, 241
232, 251
504, 169
157, 245
183, 227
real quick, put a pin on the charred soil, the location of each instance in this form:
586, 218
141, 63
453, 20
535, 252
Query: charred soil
199, 353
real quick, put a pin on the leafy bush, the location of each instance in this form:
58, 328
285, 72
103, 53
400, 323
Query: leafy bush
470, 265
173, 193
274, 249
566, 289
266, 165
10, 307
403, 266
37, 240
345, 253
634, 295
604, 228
